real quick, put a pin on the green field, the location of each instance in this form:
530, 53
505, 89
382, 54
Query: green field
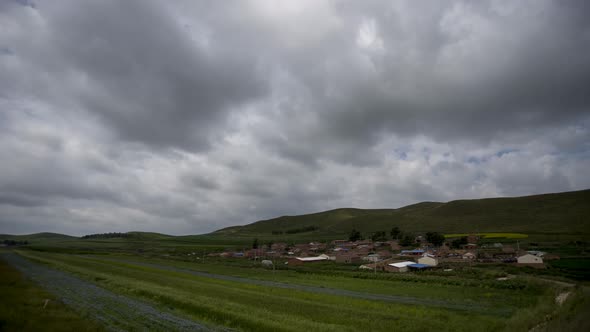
27, 307
247, 297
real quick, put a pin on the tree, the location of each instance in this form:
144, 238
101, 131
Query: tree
395, 233
255, 244
435, 238
407, 240
379, 236
355, 235
458, 243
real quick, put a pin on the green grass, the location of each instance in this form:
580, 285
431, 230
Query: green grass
575, 268
254, 307
573, 315
22, 307
538, 214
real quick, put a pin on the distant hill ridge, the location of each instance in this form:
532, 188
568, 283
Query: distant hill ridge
551, 214
556, 213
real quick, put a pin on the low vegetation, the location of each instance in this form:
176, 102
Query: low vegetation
513, 217
454, 302
27, 307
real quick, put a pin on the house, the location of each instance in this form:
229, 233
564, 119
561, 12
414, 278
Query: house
295, 261
399, 266
280, 246
468, 255
254, 253
367, 243
428, 259
472, 238
303, 246
394, 245
529, 259
330, 258
384, 253
378, 266
342, 244
413, 252
272, 254
371, 258
316, 246
348, 258
470, 246
508, 249
418, 266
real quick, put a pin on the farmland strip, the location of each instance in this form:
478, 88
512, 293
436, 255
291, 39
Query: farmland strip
331, 291
116, 312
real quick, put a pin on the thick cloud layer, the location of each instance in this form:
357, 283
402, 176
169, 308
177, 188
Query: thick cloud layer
185, 117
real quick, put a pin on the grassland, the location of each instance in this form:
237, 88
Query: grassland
27, 307
247, 297
563, 215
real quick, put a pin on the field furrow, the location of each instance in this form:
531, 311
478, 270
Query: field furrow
116, 312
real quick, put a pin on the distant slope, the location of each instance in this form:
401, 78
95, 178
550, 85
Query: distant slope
45, 236
559, 213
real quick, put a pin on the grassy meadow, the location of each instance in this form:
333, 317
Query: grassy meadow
565, 216
25, 306
258, 299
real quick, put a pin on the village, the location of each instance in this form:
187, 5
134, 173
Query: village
391, 256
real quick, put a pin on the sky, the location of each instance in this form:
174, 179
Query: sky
183, 116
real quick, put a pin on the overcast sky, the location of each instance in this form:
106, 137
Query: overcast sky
184, 117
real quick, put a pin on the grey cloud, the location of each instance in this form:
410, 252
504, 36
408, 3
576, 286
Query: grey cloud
136, 67
204, 183
498, 73
18, 199
185, 117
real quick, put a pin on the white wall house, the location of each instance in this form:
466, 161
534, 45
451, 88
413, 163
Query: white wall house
428, 260
529, 259
399, 266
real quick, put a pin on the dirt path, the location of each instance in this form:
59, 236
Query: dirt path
116, 312
472, 307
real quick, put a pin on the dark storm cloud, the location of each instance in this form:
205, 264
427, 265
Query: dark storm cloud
137, 68
456, 71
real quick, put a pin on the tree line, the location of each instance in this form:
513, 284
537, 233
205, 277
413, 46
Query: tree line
15, 243
296, 230
106, 235
405, 238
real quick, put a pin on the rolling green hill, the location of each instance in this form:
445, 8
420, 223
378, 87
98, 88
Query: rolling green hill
45, 236
553, 215
559, 217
